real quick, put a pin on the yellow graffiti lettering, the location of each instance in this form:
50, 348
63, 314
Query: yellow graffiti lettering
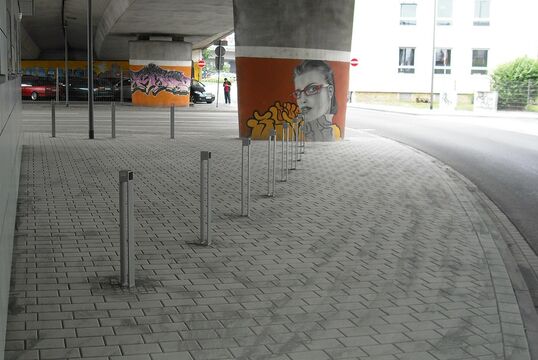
274, 118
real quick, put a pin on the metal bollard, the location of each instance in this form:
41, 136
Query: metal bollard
57, 89
127, 240
53, 117
282, 156
271, 148
303, 141
205, 198
299, 136
245, 197
293, 161
121, 85
290, 139
172, 120
296, 146
286, 136
113, 118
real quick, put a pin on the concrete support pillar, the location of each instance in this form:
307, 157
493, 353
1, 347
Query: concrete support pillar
293, 62
160, 72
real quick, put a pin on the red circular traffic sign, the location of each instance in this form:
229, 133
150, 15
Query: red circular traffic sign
354, 62
201, 63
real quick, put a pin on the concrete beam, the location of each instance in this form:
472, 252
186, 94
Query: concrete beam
29, 49
112, 14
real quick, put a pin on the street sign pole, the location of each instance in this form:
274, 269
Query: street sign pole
218, 58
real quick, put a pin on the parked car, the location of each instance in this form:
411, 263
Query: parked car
35, 88
105, 89
78, 88
198, 93
126, 85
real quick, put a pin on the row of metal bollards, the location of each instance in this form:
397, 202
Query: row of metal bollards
126, 201
126, 194
112, 118
293, 146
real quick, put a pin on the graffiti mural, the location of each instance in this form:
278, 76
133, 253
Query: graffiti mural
262, 124
312, 92
101, 69
152, 79
315, 95
274, 118
160, 85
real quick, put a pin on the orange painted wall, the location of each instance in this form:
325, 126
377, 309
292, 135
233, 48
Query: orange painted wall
265, 94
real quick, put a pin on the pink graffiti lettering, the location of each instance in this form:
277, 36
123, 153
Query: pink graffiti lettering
152, 79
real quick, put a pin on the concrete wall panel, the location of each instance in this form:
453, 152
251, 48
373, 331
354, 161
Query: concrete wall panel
10, 146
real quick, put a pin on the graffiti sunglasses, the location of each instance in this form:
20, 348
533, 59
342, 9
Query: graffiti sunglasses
309, 90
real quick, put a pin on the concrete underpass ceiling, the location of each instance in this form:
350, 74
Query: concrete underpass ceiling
115, 22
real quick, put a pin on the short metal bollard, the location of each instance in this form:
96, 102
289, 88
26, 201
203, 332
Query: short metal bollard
172, 121
285, 140
121, 85
294, 144
53, 117
297, 127
300, 138
205, 198
245, 195
127, 240
113, 118
271, 150
57, 88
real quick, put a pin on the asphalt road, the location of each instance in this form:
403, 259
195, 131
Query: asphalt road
499, 155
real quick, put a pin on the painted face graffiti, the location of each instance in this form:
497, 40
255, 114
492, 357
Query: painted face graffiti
152, 79
315, 95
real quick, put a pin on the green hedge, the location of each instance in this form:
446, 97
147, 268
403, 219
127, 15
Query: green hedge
517, 83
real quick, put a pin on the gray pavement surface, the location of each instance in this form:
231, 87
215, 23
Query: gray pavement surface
498, 154
371, 250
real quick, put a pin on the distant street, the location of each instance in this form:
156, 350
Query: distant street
499, 155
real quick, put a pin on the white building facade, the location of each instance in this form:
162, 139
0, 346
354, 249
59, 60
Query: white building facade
395, 42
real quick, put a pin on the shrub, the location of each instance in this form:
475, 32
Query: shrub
516, 82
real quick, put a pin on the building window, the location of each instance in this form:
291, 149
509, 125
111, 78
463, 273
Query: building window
443, 58
408, 14
444, 12
481, 12
407, 61
480, 62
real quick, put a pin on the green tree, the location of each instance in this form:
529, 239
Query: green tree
209, 57
517, 83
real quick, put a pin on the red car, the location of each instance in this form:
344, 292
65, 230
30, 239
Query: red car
37, 88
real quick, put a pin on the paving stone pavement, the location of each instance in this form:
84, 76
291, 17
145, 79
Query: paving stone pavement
371, 250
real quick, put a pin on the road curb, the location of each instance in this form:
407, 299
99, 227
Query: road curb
491, 215
437, 112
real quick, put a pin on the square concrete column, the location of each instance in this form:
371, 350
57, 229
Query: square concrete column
292, 62
160, 72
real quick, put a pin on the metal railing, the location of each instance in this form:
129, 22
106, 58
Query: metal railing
47, 88
517, 95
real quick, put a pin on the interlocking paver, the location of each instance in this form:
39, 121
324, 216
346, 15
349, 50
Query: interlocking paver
370, 250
